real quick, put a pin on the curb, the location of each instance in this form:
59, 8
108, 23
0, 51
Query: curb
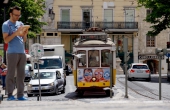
5, 95
121, 95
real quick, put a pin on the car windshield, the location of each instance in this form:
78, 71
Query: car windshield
140, 67
44, 75
49, 64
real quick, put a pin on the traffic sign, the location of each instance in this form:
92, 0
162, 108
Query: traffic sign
36, 51
168, 54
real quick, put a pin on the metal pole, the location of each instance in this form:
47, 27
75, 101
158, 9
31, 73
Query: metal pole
39, 81
4, 60
125, 50
125, 65
111, 73
160, 77
92, 14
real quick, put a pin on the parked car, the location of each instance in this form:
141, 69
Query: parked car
28, 73
51, 82
139, 70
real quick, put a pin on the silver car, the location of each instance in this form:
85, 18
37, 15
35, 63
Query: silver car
139, 70
51, 82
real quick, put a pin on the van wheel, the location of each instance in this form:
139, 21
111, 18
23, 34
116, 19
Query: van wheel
67, 73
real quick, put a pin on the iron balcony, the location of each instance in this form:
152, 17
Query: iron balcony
104, 25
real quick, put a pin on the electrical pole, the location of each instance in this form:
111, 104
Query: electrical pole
125, 50
92, 14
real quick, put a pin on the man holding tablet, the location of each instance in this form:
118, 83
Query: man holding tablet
15, 35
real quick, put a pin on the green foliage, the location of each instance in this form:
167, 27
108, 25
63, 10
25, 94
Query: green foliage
31, 11
159, 17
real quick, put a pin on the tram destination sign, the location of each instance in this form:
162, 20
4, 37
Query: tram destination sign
93, 37
140, 57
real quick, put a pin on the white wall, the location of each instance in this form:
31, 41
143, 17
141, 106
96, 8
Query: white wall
52, 40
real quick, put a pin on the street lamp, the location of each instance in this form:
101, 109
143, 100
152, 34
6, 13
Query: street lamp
51, 14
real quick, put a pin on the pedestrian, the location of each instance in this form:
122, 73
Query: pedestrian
0, 59
15, 36
3, 73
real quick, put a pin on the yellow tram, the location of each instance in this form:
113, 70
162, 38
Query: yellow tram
91, 65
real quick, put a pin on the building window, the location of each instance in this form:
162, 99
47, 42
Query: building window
56, 34
65, 18
49, 34
130, 18
108, 17
148, 11
65, 15
87, 16
150, 41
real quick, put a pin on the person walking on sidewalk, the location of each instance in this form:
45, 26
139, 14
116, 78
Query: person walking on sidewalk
3, 73
15, 36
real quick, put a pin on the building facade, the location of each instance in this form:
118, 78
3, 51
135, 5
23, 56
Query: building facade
119, 18
148, 44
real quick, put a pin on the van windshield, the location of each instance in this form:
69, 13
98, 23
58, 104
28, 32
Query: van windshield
49, 64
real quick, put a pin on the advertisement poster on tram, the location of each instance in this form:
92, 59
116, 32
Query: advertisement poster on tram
87, 74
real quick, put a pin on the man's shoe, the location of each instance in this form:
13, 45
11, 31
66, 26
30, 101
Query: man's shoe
11, 98
22, 98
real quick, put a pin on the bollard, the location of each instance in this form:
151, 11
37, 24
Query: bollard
1, 97
38, 97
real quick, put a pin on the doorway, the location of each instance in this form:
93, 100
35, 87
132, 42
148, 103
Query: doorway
153, 66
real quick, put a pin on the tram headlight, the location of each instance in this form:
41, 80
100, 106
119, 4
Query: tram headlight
93, 79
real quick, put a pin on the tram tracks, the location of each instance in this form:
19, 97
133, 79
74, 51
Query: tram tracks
142, 90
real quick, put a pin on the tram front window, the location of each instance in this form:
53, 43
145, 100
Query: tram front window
105, 58
82, 61
93, 58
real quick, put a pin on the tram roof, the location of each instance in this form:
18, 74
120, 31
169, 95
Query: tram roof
95, 43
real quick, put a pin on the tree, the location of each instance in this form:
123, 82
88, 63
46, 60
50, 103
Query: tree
159, 16
31, 11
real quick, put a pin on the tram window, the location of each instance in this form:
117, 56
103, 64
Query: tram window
105, 58
82, 61
93, 58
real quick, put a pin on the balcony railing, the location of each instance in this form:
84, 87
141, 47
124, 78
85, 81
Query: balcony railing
103, 25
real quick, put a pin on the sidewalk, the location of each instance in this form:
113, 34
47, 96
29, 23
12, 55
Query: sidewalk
3, 92
118, 102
